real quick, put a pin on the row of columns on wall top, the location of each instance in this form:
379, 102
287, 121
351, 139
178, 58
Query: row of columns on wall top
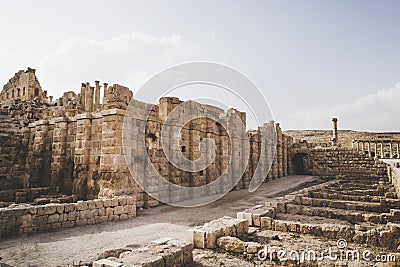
366, 147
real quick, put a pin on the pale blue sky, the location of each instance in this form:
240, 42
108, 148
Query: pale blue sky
311, 59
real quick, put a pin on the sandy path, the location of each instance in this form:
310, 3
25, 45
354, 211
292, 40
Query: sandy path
68, 246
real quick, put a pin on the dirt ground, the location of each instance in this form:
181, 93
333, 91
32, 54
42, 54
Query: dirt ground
84, 244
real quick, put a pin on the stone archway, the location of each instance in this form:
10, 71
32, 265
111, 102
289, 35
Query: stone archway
301, 164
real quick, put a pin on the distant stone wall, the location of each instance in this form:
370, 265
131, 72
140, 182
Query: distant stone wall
330, 162
28, 218
345, 137
24, 86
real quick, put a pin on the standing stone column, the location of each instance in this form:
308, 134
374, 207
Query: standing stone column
335, 132
398, 156
362, 147
83, 96
289, 157
285, 155
382, 155
105, 87
390, 150
369, 148
97, 96
279, 150
376, 149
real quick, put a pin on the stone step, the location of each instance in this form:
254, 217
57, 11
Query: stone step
206, 236
394, 202
352, 216
359, 186
382, 206
369, 192
381, 236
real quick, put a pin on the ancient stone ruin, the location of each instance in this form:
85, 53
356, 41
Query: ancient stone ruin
62, 165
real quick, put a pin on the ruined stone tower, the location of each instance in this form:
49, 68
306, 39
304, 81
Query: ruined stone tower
24, 86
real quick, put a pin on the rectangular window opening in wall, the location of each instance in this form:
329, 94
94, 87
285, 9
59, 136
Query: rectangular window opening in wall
183, 148
201, 173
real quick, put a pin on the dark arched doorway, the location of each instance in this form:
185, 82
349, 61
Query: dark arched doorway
301, 164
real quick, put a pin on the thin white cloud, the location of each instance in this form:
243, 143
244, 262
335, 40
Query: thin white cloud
127, 59
373, 112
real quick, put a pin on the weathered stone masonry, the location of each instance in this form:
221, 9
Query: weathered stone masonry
28, 218
74, 144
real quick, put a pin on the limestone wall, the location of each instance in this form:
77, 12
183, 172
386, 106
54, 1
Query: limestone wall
28, 218
394, 174
22, 195
330, 162
15, 148
74, 146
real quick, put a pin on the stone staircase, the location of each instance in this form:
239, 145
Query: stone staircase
347, 214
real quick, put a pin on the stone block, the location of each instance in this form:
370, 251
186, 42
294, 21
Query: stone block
242, 227
56, 225
50, 209
99, 203
231, 244
81, 205
102, 211
261, 212
60, 209
281, 226
53, 218
212, 236
118, 210
293, 227
107, 202
68, 224
267, 223
68, 207
84, 214
24, 220
130, 201
81, 222
245, 215
199, 238
100, 219
106, 263
109, 211
114, 202
39, 220
253, 247
122, 201
72, 216
91, 204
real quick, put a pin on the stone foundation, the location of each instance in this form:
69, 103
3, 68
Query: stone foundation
165, 252
28, 219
